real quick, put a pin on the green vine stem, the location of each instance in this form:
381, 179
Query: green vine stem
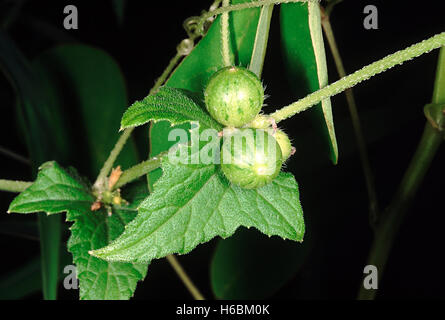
363, 74
139, 170
240, 6
14, 186
387, 229
185, 278
355, 119
225, 41
101, 179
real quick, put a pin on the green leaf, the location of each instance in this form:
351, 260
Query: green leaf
206, 58
55, 190
305, 60
249, 265
191, 204
89, 83
174, 105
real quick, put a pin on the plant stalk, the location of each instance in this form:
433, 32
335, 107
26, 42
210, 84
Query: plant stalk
108, 165
225, 41
184, 277
363, 74
14, 186
240, 6
139, 170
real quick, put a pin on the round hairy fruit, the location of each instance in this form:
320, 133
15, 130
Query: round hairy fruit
250, 158
234, 96
283, 141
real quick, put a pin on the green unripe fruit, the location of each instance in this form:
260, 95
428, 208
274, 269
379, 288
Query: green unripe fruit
260, 122
250, 158
234, 96
283, 141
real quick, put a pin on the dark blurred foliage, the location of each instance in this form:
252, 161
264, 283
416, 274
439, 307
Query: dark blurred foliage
333, 197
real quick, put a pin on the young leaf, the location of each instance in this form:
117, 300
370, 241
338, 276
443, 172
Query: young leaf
305, 60
191, 204
54, 191
174, 105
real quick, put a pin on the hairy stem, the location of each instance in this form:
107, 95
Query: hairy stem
14, 186
356, 123
185, 278
240, 6
139, 170
225, 41
363, 74
101, 179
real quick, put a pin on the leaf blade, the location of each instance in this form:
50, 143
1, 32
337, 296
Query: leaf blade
173, 105
98, 279
192, 204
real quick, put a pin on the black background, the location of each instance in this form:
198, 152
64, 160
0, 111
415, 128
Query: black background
333, 197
